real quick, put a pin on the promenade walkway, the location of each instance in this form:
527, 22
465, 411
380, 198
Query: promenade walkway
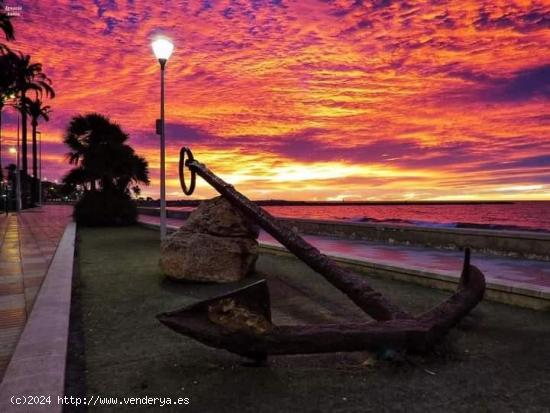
28, 242
531, 275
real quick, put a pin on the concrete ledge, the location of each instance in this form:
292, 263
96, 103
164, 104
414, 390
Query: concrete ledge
508, 293
521, 244
37, 366
169, 228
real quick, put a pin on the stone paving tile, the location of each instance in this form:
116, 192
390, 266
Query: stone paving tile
35, 271
32, 281
12, 301
13, 277
11, 288
14, 317
4, 361
8, 335
32, 263
10, 269
39, 260
9, 258
8, 340
28, 243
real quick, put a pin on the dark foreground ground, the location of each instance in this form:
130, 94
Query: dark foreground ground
497, 360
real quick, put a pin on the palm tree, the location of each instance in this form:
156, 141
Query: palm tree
91, 139
6, 80
2, 103
7, 88
36, 109
102, 159
28, 76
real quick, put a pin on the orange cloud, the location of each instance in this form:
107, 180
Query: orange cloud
313, 99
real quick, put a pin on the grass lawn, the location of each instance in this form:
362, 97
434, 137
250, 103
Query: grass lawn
498, 359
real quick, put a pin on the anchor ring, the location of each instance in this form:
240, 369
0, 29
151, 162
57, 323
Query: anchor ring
186, 152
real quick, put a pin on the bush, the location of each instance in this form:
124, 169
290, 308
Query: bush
105, 208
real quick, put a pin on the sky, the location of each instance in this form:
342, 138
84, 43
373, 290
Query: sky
310, 99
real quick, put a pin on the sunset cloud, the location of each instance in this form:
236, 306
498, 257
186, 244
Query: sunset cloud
311, 99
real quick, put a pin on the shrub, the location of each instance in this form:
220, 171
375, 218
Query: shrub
105, 208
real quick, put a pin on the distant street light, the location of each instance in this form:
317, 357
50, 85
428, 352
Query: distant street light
162, 48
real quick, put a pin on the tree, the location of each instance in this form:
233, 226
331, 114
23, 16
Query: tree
7, 87
18, 77
6, 80
105, 167
98, 147
28, 77
36, 109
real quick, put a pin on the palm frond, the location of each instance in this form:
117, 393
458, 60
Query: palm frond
29, 76
98, 145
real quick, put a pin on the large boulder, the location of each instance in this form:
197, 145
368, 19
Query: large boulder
216, 243
217, 217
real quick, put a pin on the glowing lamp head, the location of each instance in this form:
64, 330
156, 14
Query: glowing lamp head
13, 150
162, 48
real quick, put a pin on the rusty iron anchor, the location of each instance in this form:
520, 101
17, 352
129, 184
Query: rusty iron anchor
256, 337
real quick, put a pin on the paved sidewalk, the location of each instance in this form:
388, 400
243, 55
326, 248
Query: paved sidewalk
28, 243
519, 273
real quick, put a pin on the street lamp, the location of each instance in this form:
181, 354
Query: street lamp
162, 48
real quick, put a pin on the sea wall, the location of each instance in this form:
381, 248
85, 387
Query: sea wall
521, 244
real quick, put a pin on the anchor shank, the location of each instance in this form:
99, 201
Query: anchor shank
353, 285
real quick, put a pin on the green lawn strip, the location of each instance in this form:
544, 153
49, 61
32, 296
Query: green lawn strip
497, 359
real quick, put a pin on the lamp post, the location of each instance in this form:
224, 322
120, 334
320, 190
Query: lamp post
162, 48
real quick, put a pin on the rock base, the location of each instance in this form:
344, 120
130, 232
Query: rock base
216, 244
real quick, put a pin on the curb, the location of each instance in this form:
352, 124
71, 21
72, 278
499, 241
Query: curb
37, 367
